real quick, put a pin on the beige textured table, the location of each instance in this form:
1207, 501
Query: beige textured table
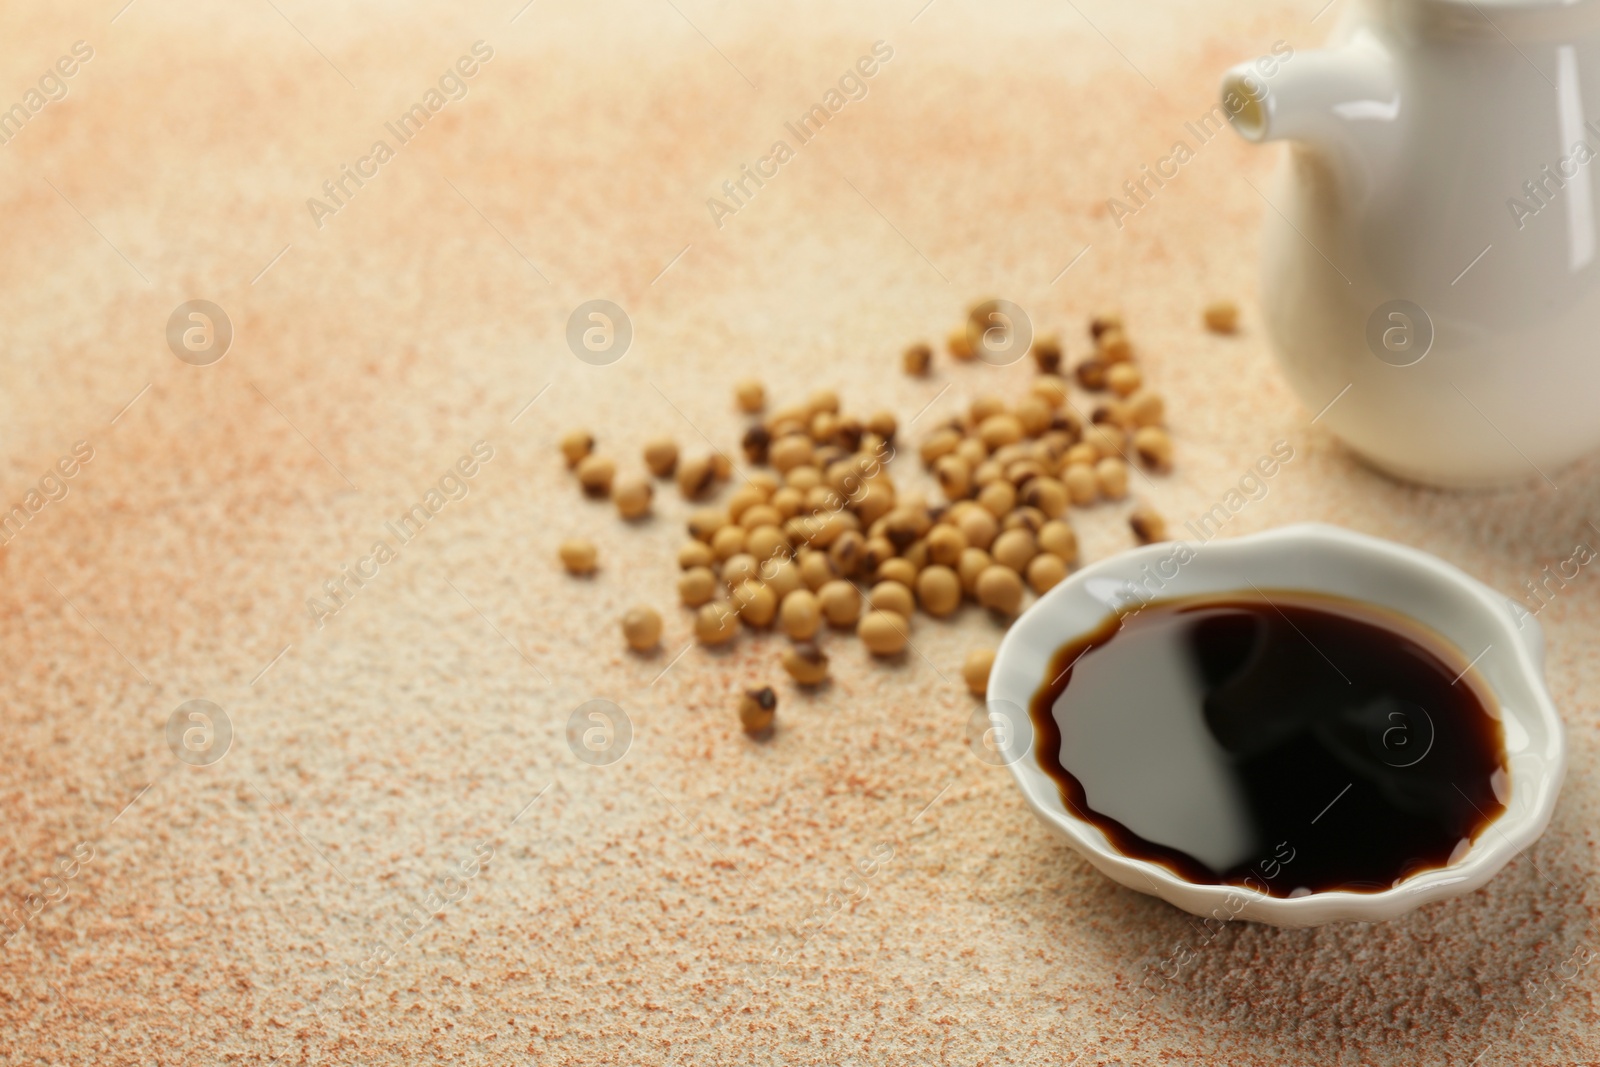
628, 911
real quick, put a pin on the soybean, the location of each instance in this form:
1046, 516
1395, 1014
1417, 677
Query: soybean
1147, 524
1014, 549
998, 497
1153, 447
632, 496
579, 556
979, 526
1124, 378
891, 595
1082, 485
739, 568
575, 445
955, 477
945, 544
1044, 571
641, 628
1146, 408
728, 542
1059, 539
1115, 347
800, 614
695, 477
883, 632
1051, 388
696, 586
751, 396
999, 588
716, 623
757, 710
806, 663
1047, 354
816, 569
1111, 475
792, 451
897, 570
973, 562
765, 542
755, 602
840, 602
917, 359
595, 474
705, 522
1092, 374
959, 345
661, 456
1047, 494
1222, 316
695, 554
975, 671
1105, 320
781, 576
939, 590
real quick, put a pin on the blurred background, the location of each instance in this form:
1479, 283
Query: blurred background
251, 906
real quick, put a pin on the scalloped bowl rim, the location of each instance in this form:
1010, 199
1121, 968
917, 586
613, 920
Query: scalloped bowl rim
1317, 558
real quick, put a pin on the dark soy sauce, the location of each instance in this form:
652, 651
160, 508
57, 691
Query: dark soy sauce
1290, 742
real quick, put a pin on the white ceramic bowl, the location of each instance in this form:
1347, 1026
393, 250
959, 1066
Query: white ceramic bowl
1315, 558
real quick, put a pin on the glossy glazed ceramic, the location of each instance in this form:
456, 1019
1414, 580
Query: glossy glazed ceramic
1481, 623
1429, 255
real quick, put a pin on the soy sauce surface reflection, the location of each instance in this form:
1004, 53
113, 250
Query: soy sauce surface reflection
1293, 742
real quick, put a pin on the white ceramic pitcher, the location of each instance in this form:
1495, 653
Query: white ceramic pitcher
1431, 280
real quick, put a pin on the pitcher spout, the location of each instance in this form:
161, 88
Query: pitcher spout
1344, 101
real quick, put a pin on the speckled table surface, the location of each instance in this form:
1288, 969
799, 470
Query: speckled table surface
410, 754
